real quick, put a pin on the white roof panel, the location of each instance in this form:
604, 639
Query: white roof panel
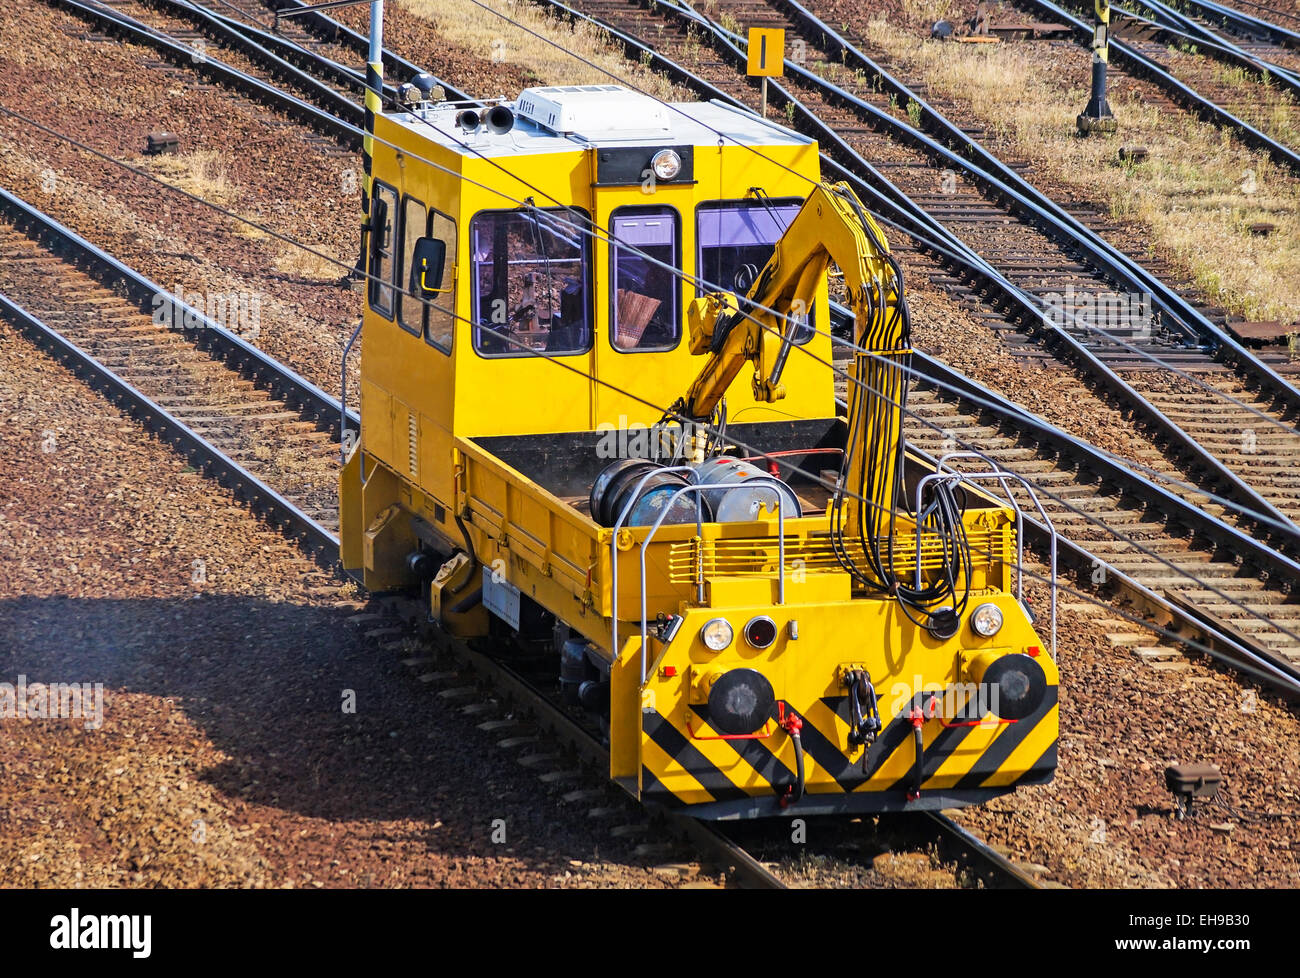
560, 119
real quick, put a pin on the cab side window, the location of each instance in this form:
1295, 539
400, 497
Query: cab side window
530, 288
645, 313
426, 303
409, 302
383, 216
440, 313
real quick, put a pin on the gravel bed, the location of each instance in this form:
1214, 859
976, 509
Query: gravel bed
225, 757
234, 152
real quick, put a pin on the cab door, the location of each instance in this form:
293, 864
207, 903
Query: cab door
641, 355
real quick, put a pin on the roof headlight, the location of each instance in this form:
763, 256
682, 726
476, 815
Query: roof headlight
716, 634
666, 164
987, 620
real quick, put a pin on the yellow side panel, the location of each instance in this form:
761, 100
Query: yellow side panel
350, 513
625, 713
377, 420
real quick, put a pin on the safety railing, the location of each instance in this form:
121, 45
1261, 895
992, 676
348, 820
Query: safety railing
343, 395
944, 472
695, 490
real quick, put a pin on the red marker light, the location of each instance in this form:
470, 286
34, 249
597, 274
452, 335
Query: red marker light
760, 632
1034, 651
668, 672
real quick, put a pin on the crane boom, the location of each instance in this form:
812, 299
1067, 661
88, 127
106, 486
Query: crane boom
832, 226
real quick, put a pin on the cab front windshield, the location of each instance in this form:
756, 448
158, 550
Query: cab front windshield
737, 238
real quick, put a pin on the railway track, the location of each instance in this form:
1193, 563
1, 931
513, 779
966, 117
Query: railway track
254, 422
1269, 34
1188, 83
1034, 254
1287, 18
330, 453
272, 448
1253, 79
1213, 617
1271, 54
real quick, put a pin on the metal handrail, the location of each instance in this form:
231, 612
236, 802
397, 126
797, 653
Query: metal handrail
343, 395
613, 553
1000, 475
1020, 522
699, 489
618, 527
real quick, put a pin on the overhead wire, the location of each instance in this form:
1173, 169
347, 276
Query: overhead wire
849, 378
597, 380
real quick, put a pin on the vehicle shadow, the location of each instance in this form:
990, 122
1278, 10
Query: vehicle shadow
268, 683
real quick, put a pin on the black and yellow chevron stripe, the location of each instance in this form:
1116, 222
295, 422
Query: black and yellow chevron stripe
959, 763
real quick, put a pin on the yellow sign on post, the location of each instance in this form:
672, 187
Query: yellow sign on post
766, 51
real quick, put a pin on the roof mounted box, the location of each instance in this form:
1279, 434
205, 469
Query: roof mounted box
595, 112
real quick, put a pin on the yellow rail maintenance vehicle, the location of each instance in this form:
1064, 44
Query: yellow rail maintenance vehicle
768, 605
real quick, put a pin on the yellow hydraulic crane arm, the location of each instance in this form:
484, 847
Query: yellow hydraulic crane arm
832, 226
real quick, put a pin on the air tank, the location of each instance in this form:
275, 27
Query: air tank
616, 485
754, 496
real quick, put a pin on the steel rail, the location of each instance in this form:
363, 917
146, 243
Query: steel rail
131, 30
1244, 23
1238, 651
568, 731
299, 393
1189, 31
328, 28
992, 860
282, 47
248, 488
214, 26
329, 31
1110, 379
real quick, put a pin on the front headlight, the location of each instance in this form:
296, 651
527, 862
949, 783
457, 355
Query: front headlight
666, 164
987, 620
716, 634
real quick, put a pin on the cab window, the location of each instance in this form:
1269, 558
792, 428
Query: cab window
383, 215
736, 239
644, 314
440, 314
433, 317
409, 305
530, 289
